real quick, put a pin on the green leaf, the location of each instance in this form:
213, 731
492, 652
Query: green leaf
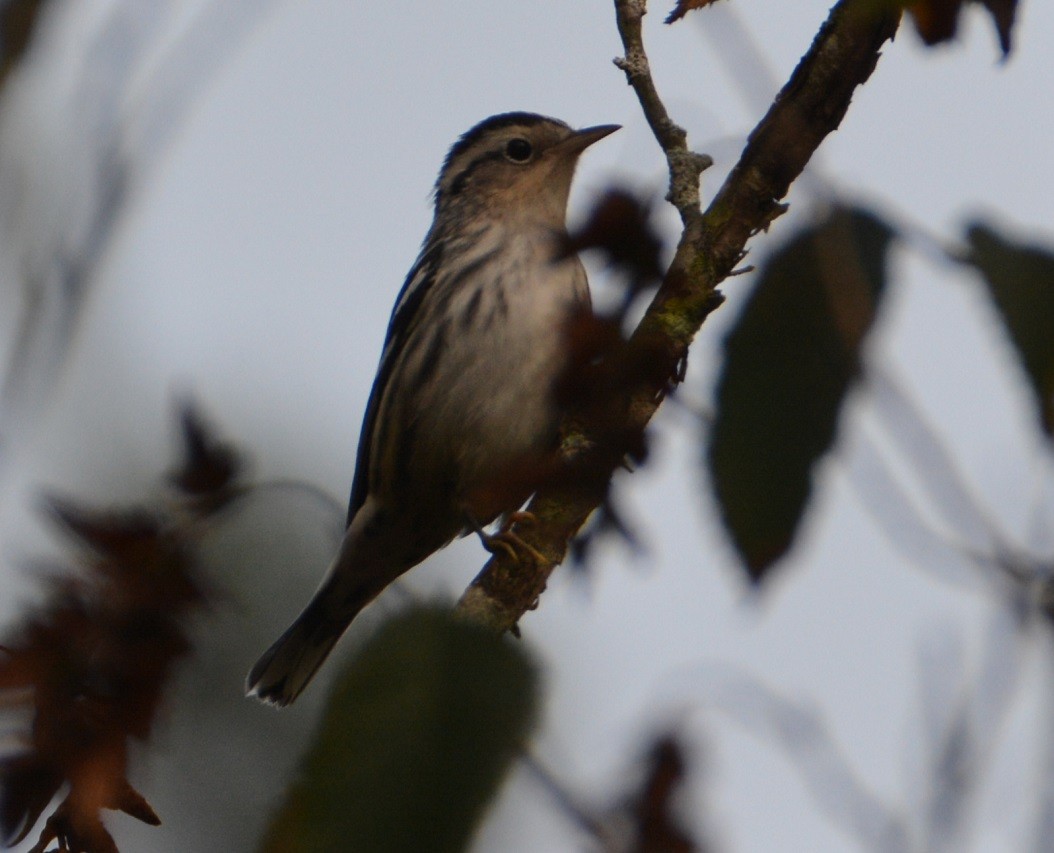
418, 733
1020, 281
789, 362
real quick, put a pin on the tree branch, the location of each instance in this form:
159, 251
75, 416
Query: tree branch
810, 106
685, 165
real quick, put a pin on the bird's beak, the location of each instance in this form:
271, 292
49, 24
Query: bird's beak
580, 140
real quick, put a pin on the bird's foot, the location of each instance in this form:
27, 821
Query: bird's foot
509, 542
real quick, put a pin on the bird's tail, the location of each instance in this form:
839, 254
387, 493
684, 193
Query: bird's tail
371, 556
284, 670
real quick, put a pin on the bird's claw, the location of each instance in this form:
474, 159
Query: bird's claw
511, 544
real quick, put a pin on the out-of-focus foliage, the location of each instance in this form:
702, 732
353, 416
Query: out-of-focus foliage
90, 665
17, 20
935, 21
619, 226
426, 720
605, 367
938, 20
1020, 281
683, 7
418, 734
789, 362
656, 825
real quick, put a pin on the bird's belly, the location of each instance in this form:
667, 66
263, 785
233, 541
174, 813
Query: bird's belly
488, 431
479, 430
499, 416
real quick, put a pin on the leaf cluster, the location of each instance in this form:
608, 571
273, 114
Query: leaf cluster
89, 666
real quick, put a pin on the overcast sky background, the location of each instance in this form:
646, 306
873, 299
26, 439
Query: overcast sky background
268, 229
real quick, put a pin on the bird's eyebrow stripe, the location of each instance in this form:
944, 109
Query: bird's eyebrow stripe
498, 122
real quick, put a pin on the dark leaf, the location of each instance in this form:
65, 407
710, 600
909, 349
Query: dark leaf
209, 466
75, 831
418, 733
657, 828
935, 20
789, 362
619, 226
128, 800
938, 20
683, 7
1003, 13
1020, 281
27, 786
18, 19
607, 521
124, 535
89, 666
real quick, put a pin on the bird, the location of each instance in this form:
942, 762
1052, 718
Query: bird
462, 408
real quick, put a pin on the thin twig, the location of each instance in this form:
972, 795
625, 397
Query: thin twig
567, 801
685, 166
803, 735
937, 472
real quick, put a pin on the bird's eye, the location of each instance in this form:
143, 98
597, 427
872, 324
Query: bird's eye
518, 150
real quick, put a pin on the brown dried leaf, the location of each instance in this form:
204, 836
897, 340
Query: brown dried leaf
1003, 13
608, 520
18, 19
209, 466
657, 828
122, 535
91, 663
683, 7
935, 20
604, 368
128, 800
938, 20
619, 227
75, 831
27, 786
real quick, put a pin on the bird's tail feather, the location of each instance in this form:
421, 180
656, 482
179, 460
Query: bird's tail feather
285, 669
362, 568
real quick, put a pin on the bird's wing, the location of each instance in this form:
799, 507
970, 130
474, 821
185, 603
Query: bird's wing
418, 282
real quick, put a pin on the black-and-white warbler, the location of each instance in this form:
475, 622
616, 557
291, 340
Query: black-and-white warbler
463, 401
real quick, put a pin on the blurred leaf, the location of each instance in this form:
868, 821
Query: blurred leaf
1020, 281
604, 367
1003, 13
128, 800
17, 21
789, 362
209, 465
656, 824
88, 667
74, 830
935, 20
619, 226
418, 733
683, 7
122, 534
938, 20
27, 786
607, 521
